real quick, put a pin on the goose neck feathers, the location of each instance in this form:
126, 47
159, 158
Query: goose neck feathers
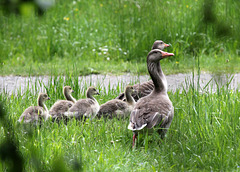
92, 91
155, 71
41, 99
67, 91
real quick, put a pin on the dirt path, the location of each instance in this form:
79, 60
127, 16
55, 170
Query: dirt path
13, 84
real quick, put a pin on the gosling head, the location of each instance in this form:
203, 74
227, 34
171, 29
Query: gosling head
43, 97
156, 55
129, 89
159, 45
67, 90
92, 91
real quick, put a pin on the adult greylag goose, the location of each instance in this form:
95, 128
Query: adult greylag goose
88, 107
145, 88
62, 106
35, 114
155, 109
118, 108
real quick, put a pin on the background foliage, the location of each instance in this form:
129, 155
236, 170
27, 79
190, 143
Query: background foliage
83, 37
115, 36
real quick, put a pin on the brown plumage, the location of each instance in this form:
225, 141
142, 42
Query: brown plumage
156, 109
62, 106
145, 88
85, 107
35, 114
118, 108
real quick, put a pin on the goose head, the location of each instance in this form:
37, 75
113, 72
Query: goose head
129, 89
159, 45
156, 55
92, 91
67, 90
43, 97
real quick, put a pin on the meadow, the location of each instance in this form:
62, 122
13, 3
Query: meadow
114, 37
82, 37
204, 135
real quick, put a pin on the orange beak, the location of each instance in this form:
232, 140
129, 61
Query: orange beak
166, 54
166, 45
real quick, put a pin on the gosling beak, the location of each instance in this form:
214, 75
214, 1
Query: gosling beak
134, 91
166, 45
166, 54
97, 93
48, 98
72, 91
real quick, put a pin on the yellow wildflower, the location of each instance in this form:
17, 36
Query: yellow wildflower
125, 6
66, 18
76, 9
101, 5
177, 62
187, 6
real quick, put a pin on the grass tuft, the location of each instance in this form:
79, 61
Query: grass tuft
204, 134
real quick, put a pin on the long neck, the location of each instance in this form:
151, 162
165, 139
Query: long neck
158, 78
90, 96
129, 97
69, 97
40, 103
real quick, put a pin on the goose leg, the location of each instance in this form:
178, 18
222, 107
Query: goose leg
134, 139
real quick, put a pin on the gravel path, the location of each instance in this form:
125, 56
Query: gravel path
13, 84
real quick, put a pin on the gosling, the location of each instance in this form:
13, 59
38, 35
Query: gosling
61, 106
88, 107
35, 114
118, 108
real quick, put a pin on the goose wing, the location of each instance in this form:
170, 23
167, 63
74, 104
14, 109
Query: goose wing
31, 114
142, 90
112, 107
60, 107
82, 107
148, 113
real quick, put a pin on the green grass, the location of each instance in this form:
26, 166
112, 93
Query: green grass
204, 135
112, 37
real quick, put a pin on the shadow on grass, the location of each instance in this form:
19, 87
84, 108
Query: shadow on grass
9, 147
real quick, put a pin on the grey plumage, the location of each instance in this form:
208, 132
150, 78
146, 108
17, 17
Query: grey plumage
155, 109
35, 114
85, 107
145, 88
61, 106
118, 108
152, 111
141, 90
